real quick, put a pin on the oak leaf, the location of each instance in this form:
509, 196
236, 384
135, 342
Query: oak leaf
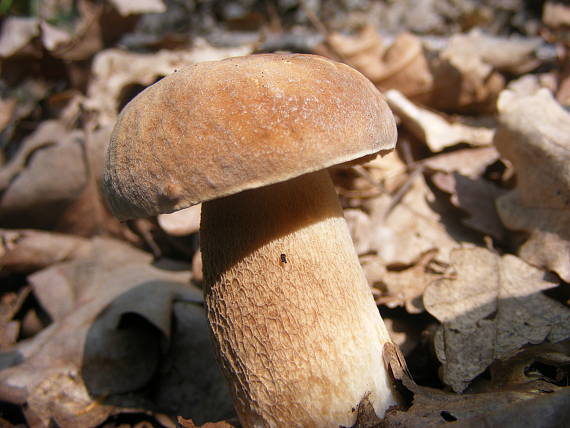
492, 308
534, 134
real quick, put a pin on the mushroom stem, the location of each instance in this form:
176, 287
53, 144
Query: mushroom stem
295, 326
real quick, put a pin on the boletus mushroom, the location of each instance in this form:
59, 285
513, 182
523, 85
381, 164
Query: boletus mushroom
295, 327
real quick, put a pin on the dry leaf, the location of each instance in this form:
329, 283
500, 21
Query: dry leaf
534, 134
529, 84
109, 336
26, 251
478, 51
460, 89
86, 39
189, 423
10, 304
405, 287
556, 14
491, 309
197, 272
54, 37
359, 226
468, 162
402, 65
17, 33
7, 109
475, 196
552, 358
537, 404
130, 7
400, 232
433, 129
388, 171
24, 98
48, 173
181, 223
514, 405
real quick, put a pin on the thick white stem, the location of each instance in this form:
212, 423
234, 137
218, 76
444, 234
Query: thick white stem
296, 328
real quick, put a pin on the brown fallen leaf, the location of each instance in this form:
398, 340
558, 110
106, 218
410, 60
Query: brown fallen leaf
21, 101
26, 251
197, 272
529, 84
512, 402
534, 134
402, 65
189, 423
181, 223
401, 231
475, 196
405, 287
538, 404
48, 173
129, 7
7, 109
479, 51
83, 41
467, 74
490, 309
463, 86
109, 338
17, 33
556, 14
432, 129
547, 361
468, 162
10, 304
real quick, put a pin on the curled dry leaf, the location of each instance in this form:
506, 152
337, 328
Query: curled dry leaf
108, 338
402, 65
475, 196
26, 251
463, 77
534, 134
493, 307
432, 129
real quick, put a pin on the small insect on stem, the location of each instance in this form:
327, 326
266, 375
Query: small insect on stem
283, 258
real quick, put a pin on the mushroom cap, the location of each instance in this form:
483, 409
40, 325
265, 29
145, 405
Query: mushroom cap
217, 128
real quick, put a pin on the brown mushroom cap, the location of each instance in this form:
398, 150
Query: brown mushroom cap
217, 128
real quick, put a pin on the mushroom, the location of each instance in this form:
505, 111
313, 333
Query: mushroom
294, 323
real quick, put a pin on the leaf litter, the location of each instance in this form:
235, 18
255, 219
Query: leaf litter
462, 233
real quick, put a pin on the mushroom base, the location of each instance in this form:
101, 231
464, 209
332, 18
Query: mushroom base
294, 323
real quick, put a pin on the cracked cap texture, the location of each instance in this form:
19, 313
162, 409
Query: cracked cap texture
217, 128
